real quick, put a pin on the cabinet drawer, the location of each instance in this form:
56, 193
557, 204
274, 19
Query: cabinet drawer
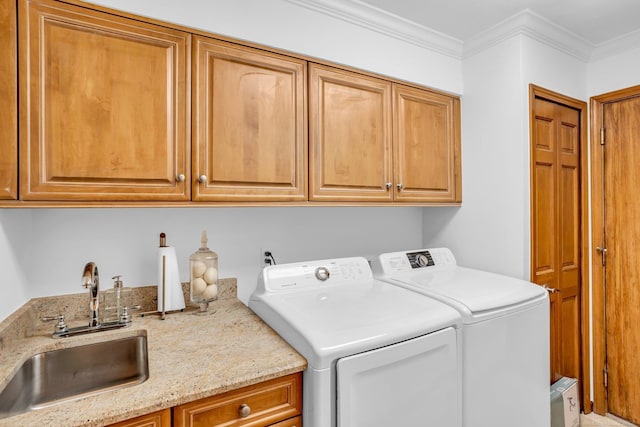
156, 419
257, 405
291, 422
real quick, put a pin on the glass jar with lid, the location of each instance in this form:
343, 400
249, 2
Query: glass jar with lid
203, 268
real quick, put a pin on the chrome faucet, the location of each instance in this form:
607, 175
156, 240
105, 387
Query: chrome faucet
91, 281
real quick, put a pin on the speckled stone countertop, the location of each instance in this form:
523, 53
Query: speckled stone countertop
190, 357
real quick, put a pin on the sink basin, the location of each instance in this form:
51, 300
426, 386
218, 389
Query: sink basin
61, 375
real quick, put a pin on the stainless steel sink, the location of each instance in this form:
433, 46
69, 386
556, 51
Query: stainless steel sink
61, 375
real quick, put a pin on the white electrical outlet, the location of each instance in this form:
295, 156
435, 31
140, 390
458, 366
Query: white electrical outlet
265, 260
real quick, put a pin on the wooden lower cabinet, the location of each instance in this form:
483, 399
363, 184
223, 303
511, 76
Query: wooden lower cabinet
291, 422
276, 402
155, 419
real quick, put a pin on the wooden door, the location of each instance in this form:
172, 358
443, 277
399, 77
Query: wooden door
103, 106
8, 101
621, 153
249, 124
426, 129
556, 220
350, 136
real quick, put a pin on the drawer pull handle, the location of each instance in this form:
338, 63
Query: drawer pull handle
244, 410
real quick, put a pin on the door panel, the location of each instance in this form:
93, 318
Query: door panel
426, 146
8, 101
350, 136
622, 271
250, 127
412, 383
103, 106
556, 225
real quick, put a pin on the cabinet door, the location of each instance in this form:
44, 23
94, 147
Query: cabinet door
260, 405
103, 106
249, 124
8, 101
155, 419
350, 136
426, 146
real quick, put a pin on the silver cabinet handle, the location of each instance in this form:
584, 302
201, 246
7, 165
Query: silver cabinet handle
400, 187
181, 177
388, 185
244, 410
550, 290
202, 179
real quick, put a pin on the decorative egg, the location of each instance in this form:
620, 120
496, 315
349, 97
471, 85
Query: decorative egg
211, 275
210, 292
198, 268
198, 286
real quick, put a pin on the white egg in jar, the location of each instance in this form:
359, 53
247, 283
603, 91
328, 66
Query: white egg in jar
211, 275
198, 286
210, 292
198, 268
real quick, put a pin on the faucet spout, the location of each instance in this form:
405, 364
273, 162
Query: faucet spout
91, 281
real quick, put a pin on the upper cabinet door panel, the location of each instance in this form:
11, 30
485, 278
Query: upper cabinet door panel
249, 124
104, 106
8, 101
350, 136
427, 146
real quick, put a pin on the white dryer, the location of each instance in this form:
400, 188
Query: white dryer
505, 334
378, 355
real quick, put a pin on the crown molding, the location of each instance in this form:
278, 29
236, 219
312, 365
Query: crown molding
625, 43
380, 21
537, 27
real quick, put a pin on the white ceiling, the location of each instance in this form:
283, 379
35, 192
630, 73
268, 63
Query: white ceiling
596, 21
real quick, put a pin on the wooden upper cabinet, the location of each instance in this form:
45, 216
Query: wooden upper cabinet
8, 101
103, 106
372, 140
426, 130
249, 124
350, 156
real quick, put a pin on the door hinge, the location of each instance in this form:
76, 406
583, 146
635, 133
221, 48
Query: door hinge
605, 373
602, 136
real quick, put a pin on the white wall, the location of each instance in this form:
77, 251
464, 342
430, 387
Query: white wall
614, 72
286, 25
44, 250
487, 231
491, 229
15, 259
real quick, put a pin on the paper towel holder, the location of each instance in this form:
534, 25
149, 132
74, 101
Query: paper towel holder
162, 311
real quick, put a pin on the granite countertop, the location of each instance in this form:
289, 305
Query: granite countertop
190, 357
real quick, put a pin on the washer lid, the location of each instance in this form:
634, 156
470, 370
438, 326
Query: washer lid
348, 313
472, 291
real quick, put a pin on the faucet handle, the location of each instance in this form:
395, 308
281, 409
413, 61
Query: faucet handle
125, 317
61, 326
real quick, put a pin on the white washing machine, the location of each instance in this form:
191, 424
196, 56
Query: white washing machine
378, 355
505, 335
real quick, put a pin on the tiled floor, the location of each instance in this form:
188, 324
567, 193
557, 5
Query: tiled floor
595, 420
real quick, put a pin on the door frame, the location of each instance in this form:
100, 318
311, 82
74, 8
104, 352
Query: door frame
581, 107
597, 193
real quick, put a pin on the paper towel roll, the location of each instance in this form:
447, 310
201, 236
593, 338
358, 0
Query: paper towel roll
172, 287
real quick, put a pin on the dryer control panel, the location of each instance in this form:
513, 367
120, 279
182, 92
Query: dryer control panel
313, 274
394, 262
